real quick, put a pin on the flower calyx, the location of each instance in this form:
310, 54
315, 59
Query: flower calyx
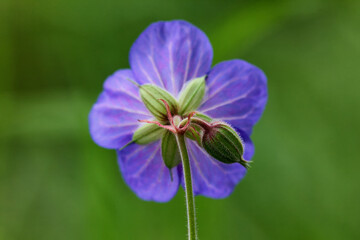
175, 124
169, 148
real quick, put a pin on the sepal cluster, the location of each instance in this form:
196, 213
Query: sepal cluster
217, 138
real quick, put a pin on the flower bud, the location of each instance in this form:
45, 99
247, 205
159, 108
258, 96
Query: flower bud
170, 151
150, 95
223, 143
192, 95
147, 133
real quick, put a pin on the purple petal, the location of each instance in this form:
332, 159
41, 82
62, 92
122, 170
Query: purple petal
212, 178
248, 145
146, 174
236, 93
168, 54
113, 118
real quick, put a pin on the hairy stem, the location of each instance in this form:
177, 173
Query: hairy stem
189, 195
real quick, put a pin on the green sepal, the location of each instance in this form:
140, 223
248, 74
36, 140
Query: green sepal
147, 133
224, 144
192, 95
203, 117
150, 95
195, 132
170, 151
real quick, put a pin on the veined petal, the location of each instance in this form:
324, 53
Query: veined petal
146, 174
236, 93
120, 83
114, 117
168, 54
212, 178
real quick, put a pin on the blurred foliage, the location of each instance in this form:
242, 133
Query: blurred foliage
55, 183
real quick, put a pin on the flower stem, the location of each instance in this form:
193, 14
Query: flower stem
189, 195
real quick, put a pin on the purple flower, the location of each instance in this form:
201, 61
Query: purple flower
168, 54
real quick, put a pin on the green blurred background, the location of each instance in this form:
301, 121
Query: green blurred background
55, 183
